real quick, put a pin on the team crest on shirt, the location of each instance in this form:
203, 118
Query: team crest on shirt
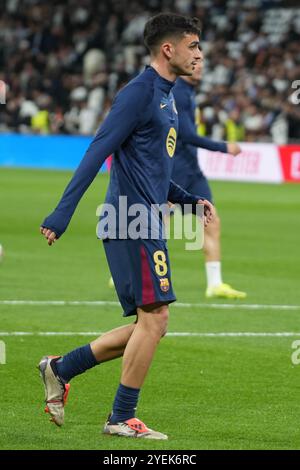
171, 142
164, 284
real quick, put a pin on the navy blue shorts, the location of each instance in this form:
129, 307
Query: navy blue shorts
195, 183
141, 272
198, 184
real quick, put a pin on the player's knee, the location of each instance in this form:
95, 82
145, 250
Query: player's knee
160, 321
156, 320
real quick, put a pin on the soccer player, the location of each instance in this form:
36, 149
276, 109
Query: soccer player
188, 175
141, 131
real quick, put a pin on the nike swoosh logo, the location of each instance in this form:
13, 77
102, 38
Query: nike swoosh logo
163, 105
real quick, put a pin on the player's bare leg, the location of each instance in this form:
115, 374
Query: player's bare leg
145, 334
139, 352
212, 245
216, 288
151, 326
112, 344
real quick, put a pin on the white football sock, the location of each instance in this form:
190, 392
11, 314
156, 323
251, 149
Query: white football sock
213, 273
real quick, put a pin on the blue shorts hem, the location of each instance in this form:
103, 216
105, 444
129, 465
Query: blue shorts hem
133, 311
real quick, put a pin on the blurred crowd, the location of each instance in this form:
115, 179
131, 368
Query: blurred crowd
64, 60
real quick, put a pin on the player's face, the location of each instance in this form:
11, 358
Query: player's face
185, 54
198, 69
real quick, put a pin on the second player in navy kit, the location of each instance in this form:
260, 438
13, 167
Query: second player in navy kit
188, 174
186, 170
141, 131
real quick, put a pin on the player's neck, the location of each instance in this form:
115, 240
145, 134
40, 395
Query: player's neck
163, 70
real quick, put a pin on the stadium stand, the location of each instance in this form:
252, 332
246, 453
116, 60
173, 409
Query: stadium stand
63, 62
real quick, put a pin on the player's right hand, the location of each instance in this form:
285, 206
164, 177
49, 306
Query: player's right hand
49, 235
209, 211
233, 148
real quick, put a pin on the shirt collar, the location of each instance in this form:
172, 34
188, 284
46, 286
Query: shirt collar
164, 84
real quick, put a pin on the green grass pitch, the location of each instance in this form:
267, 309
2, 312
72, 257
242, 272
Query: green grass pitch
205, 392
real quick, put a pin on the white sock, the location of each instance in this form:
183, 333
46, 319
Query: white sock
213, 273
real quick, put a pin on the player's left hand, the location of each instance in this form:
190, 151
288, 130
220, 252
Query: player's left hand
233, 148
209, 211
49, 235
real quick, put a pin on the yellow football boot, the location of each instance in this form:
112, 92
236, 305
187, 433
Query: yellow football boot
224, 291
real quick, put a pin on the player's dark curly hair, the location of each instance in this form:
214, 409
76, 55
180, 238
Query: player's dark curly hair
164, 25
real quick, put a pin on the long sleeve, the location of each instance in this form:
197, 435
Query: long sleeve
118, 125
178, 195
187, 131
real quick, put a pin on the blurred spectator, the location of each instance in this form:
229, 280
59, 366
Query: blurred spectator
235, 129
63, 61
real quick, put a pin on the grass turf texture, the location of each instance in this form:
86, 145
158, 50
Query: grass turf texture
206, 393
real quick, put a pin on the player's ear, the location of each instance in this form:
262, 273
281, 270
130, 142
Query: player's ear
167, 48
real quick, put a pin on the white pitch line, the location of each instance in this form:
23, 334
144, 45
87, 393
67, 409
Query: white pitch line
94, 303
171, 334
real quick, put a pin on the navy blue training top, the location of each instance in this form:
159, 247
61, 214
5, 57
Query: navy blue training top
185, 160
141, 131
